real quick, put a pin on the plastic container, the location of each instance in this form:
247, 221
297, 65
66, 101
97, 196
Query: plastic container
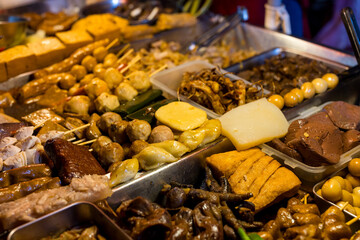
310, 175
169, 81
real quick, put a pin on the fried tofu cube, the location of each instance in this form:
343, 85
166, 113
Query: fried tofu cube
3, 72
47, 51
18, 59
74, 39
102, 31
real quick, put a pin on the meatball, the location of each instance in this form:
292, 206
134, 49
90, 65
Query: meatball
125, 92
107, 119
100, 143
113, 77
78, 71
140, 80
136, 147
93, 132
96, 87
89, 63
106, 102
78, 104
111, 153
117, 131
161, 133
67, 82
138, 130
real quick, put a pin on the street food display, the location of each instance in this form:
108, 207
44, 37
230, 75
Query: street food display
91, 121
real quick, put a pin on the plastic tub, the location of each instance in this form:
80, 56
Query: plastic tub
169, 81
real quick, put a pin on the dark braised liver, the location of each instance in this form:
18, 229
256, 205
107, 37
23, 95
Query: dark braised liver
71, 161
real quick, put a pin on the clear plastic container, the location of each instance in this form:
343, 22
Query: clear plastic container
310, 175
169, 81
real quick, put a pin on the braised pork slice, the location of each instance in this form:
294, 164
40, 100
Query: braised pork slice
344, 115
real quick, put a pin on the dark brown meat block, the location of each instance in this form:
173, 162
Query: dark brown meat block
344, 115
282, 147
294, 127
9, 129
71, 161
351, 139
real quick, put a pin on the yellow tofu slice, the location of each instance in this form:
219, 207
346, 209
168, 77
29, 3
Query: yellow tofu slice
47, 51
18, 59
102, 31
74, 39
3, 72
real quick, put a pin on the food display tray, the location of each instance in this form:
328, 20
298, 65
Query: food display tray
310, 175
324, 204
169, 81
74, 215
288, 52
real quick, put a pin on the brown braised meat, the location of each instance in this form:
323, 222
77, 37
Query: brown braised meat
344, 115
351, 139
71, 161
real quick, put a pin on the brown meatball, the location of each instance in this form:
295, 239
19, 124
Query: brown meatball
136, 147
100, 143
107, 119
67, 82
117, 132
111, 153
138, 130
78, 71
161, 133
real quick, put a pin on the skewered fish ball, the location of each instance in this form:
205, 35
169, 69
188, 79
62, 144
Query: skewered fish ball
125, 92
113, 77
138, 130
107, 119
89, 63
291, 99
140, 80
110, 60
67, 82
299, 93
111, 153
87, 79
78, 71
100, 53
161, 133
78, 104
331, 79
106, 102
95, 87
308, 89
100, 143
117, 132
320, 85
99, 70
277, 100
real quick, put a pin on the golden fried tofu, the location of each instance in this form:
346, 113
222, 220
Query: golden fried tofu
101, 31
175, 20
282, 184
139, 32
47, 51
18, 59
74, 39
227, 162
3, 72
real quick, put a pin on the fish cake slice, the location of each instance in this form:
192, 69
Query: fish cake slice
244, 167
225, 164
263, 177
255, 171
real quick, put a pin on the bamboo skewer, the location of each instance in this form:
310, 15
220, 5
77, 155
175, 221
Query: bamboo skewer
132, 62
122, 50
353, 220
71, 139
158, 70
304, 199
78, 128
88, 142
115, 41
344, 206
90, 150
125, 56
79, 141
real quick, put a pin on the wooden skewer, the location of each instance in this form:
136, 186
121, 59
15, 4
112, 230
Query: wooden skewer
112, 44
88, 142
122, 50
90, 150
158, 70
125, 56
344, 206
72, 139
79, 141
353, 220
132, 62
78, 128
304, 199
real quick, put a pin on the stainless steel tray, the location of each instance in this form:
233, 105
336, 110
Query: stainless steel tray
324, 204
187, 170
76, 214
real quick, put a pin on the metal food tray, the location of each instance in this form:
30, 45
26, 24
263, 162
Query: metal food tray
71, 216
310, 175
317, 99
324, 204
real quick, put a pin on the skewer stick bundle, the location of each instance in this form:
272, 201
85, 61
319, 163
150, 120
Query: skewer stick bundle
79, 141
71, 139
88, 142
132, 62
125, 55
122, 50
115, 41
78, 128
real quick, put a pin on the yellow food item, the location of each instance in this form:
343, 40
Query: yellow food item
181, 116
356, 191
348, 186
3, 72
299, 94
277, 100
291, 99
254, 123
354, 167
357, 210
169, 21
176, 148
124, 172
153, 157
347, 197
331, 79
331, 190
356, 200
74, 40
320, 85
308, 89
47, 51
18, 59
318, 192
340, 180
348, 207
355, 181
